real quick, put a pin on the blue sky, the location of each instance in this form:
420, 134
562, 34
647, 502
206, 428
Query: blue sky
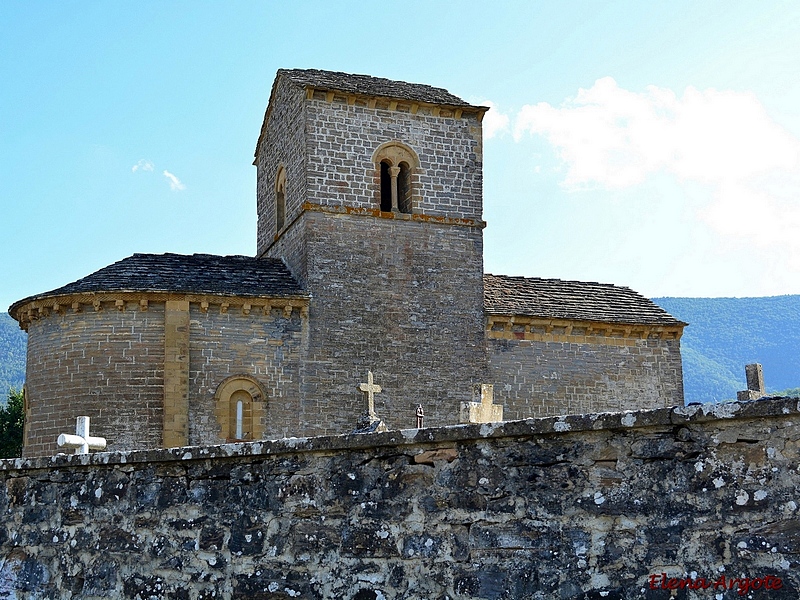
654, 145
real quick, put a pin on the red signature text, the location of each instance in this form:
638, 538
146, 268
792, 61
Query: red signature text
742, 585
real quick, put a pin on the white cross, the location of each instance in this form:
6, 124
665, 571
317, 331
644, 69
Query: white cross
485, 411
82, 441
370, 389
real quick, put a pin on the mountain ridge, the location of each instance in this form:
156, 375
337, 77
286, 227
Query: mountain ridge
12, 355
725, 334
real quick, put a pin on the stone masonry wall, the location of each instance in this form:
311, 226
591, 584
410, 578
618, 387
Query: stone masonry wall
342, 139
403, 299
284, 143
107, 364
539, 379
574, 508
267, 347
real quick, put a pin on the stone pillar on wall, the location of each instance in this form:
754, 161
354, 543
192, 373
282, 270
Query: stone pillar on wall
176, 374
755, 383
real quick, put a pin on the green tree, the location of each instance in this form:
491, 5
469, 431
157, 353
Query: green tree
12, 417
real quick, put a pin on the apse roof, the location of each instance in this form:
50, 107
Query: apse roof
186, 273
269, 277
573, 300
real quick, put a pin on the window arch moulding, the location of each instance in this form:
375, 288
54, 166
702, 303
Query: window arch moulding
396, 164
240, 408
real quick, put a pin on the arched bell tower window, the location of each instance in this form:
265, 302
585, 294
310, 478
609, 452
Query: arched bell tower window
280, 199
404, 188
396, 163
239, 408
386, 187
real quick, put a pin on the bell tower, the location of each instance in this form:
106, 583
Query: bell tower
370, 191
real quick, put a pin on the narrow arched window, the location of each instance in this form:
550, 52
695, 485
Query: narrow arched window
404, 188
280, 199
386, 187
396, 164
240, 408
241, 419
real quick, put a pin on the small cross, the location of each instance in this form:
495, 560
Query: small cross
82, 441
370, 389
485, 411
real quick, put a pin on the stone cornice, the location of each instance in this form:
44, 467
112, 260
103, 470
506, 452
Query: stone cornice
396, 104
539, 329
376, 212
372, 212
121, 301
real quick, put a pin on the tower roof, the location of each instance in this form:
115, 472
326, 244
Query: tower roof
575, 300
371, 86
184, 273
366, 86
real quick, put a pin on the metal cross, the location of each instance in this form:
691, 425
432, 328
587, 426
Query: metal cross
370, 389
82, 441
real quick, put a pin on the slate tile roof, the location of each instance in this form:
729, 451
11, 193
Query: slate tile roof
195, 273
371, 86
577, 300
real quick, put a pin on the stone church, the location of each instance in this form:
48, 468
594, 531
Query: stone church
369, 258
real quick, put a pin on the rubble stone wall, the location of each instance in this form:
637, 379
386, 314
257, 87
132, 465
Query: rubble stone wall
592, 506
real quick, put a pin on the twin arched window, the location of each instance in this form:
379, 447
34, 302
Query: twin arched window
396, 164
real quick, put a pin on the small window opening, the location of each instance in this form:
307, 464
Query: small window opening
241, 415
404, 188
239, 419
281, 210
280, 200
386, 187
240, 408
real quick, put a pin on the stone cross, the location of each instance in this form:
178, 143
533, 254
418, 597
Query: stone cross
755, 383
82, 441
370, 389
369, 421
484, 411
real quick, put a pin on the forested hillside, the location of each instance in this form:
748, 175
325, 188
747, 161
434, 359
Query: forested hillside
725, 334
12, 355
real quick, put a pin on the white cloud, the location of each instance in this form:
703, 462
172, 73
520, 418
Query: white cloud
615, 138
174, 183
142, 165
494, 122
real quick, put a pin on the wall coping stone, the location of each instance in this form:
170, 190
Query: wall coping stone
660, 417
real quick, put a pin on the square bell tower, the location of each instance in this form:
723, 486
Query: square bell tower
370, 191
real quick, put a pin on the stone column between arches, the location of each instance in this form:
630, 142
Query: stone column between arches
176, 374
